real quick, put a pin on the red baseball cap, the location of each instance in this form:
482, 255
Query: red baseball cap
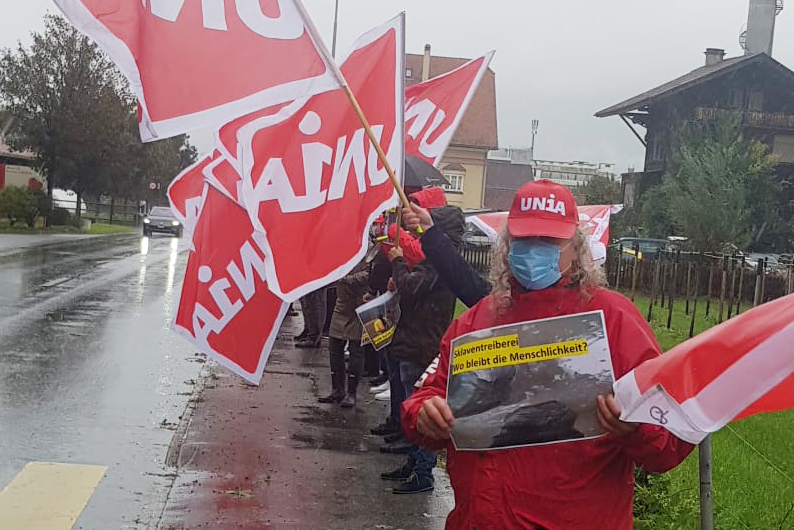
543, 208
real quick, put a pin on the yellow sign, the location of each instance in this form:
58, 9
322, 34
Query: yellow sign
506, 350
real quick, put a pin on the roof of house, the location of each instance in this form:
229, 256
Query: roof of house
478, 126
7, 152
694, 78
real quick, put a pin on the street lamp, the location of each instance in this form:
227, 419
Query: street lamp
336, 19
535, 124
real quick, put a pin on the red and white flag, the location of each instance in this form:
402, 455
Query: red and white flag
226, 309
187, 192
741, 367
434, 109
594, 220
312, 181
221, 174
194, 64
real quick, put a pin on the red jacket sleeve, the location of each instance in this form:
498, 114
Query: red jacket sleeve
435, 384
632, 341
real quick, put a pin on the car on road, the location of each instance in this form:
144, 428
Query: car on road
161, 219
648, 248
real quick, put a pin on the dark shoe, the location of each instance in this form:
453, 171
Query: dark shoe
379, 380
401, 474
349, 401
336, 396
386, 428
391, 438
308, 343
300, 336
397, 448
414, 484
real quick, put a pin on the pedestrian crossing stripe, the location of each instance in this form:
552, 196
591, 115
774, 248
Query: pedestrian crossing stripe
48, 496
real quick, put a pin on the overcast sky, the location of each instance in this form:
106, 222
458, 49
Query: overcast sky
559, 62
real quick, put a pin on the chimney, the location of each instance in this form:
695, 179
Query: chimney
426, 64
761, 25
714, 56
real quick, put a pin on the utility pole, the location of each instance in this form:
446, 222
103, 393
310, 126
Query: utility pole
336, 19
535, 124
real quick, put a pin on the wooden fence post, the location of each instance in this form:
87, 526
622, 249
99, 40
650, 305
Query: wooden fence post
741, 287
733, 286
671, 292
723, 285
634, 270
711, 282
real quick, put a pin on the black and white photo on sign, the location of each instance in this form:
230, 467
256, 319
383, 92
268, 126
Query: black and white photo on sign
529, 383
379, 318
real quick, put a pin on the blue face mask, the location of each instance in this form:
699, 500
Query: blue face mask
535, 263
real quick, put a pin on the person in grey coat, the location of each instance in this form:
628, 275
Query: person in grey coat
346, 331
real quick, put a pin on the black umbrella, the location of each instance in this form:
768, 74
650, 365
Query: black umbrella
419, 174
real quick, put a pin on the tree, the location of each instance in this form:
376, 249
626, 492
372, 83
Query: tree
54, 93
65, 101
601, 190
717, 191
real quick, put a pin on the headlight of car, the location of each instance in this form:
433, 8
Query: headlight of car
146, 221
174, 223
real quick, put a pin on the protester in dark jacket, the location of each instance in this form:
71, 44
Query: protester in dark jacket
461, 278
427, 307
346, 330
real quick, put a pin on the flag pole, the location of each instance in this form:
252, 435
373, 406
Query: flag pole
337, 73
381, 155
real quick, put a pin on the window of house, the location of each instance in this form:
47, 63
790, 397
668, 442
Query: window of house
736, 99
755, 101
455, 181
408, 72
783, 148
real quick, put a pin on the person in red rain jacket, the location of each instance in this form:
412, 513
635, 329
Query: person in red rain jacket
542, 268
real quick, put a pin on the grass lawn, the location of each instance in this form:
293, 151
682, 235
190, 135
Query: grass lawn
96, 229
753, 459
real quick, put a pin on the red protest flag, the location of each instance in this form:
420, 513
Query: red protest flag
187, 192
312, 181
434, 109
224, 177
193, 64
226, 309
741, 367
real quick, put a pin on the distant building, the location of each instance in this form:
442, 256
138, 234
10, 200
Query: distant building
754, 88
17, 169
509, 168
464, 163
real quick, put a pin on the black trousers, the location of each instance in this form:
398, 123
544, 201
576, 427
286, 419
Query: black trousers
336, 352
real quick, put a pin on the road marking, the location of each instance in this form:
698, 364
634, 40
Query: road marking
47, 496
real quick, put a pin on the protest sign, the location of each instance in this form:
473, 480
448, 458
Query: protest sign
379, 319
179, 56
226, 309
529, 383
435, 108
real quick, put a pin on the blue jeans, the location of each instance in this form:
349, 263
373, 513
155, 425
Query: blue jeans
422, 460
396, 388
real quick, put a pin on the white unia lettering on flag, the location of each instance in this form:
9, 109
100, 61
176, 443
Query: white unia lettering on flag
435, 108
312, 181
197, 63
226, 309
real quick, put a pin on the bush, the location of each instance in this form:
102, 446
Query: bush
19, 204
61, 217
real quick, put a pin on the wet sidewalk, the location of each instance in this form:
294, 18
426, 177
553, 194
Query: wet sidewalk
271, 457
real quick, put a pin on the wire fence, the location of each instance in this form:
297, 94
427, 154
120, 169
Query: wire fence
118, 212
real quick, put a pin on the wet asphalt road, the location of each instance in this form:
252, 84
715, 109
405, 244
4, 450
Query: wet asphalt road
90, 372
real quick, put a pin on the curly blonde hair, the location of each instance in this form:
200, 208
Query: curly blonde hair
583, 273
